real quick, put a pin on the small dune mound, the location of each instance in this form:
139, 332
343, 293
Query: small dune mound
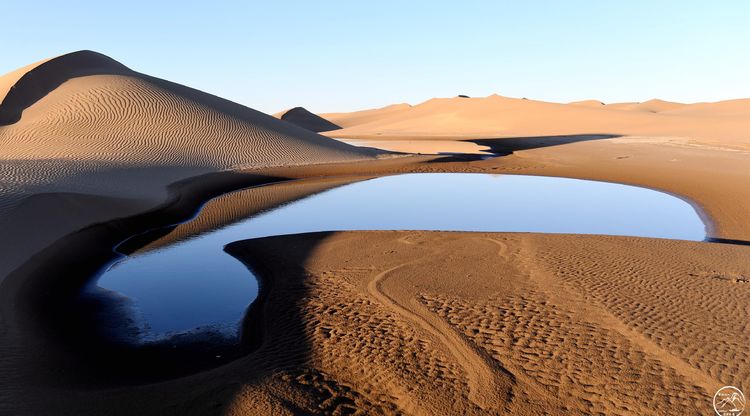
307, 120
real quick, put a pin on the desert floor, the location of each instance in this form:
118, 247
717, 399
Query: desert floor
466, 323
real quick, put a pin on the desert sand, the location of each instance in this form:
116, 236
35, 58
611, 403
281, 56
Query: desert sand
391, 322
523, 324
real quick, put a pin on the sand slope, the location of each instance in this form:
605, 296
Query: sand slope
307, 120
89, 125
727, 122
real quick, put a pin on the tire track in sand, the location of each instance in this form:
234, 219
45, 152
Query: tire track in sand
489, 385
503, 248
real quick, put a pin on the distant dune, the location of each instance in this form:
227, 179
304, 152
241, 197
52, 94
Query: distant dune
587, 103
307, 120
84, 124
723, 109
496, 116
366, 116
650, 106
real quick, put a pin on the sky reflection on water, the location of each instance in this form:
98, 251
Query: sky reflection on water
194, 283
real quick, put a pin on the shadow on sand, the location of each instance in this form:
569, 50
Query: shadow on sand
507, 145
61, 348
277, 328
87, 336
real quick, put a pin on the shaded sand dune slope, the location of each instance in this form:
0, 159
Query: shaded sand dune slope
30, 84
84, 124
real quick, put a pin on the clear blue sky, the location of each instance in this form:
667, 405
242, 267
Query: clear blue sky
346, 55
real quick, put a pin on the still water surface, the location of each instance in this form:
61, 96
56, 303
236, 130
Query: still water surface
194, 284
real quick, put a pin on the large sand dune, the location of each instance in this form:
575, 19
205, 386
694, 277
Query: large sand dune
85, 106
84, 124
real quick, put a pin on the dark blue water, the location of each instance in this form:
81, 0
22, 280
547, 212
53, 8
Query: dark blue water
195, 284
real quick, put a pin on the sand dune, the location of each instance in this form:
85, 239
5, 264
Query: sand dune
84, 124
307, 120
138, 118
724, 122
